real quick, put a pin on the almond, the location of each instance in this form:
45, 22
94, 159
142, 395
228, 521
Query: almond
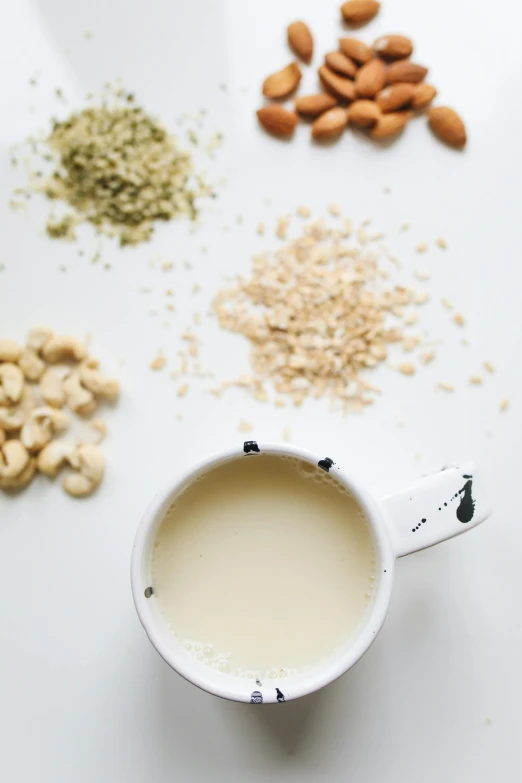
395, 96
312, 105
389, 124
340, 63
359, 11
393, 47
300, 40
447, 125
423, 96
282, 83
405, 71
330, 124
363, 114
277, 120
355, 49
370, 79
337, 85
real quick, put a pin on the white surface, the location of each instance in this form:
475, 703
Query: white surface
83, 696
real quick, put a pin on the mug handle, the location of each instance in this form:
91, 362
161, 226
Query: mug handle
436, 507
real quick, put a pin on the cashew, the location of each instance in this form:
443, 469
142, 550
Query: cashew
31, 365
93, 432
13, 459
23, 478
58, 419
58, 349
12, 381
51, 388
15, 416
95, 381
80, 400
53, 456
38, 336
9, 351
89, 473
35, 434
40, 427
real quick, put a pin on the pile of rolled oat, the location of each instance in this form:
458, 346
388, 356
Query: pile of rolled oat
318, 313
36, 382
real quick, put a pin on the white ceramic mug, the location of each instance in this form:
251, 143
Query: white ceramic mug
432, 509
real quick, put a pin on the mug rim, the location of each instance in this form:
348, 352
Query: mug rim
324, 673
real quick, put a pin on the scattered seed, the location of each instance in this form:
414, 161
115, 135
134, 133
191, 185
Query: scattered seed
334, 209
459, 319
286, 434
167, 265
407, 369
245, 426
489, 367
448, 387
421, 247
261, 228
504, 404
421, 275
303, 211
405, 227
427, 357
441, 242
475, 380
446, 303
183, 389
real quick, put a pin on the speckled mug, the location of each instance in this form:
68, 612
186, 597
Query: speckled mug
434, 508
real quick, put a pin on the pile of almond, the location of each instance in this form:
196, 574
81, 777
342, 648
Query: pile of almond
376, 88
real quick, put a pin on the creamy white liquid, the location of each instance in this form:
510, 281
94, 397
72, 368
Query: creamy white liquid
264, 565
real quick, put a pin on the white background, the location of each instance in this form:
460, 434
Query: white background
83, 696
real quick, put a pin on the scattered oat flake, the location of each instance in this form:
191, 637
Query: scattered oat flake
446, 303
261, 228
489, 367
279, 403
244, 426
167, 265
286, 434
407, 369
158, 363
446, 386
441, 242
405, 227
183, 389
362, 236
282, 227
421, 298
303, 211
427, 357
504, 404
411, 318
475, 380
421, 247
423, 276
459, 319
334, 209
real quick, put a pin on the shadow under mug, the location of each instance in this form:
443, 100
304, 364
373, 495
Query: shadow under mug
432, 509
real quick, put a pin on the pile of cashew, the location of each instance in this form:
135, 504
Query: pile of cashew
36, 382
